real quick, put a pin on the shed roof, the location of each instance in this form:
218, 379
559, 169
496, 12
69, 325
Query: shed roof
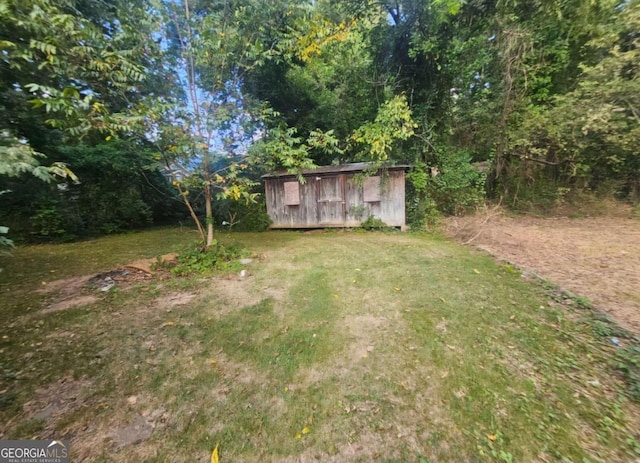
353, 167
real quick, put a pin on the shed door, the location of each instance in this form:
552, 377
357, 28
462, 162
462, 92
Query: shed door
331, 210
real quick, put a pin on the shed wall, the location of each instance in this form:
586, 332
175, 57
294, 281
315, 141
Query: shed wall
334, 200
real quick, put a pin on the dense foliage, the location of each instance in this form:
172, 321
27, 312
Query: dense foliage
156, 102
70, 73
534, 103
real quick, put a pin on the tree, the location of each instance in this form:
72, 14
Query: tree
587, 138
71, 72
17, 158
608, 97
213, 46
80, 61
438, 84
324, 79
520, 59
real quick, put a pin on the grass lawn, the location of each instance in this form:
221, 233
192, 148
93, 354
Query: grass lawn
335, 347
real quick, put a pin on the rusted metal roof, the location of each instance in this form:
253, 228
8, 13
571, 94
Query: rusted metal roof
354, 167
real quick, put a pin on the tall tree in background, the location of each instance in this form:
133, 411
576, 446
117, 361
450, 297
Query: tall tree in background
324, 78
81, 62
215, 43
514, 70
585, 138
67, 70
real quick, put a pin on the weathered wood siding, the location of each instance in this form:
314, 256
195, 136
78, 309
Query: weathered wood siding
335, 200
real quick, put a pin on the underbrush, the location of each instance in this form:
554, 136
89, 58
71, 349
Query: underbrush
551, 199
375, 224
215, 258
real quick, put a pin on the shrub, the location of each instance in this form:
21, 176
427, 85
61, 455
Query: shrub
422, 211
51, 222
374, 223
457, 186
215, 258
242, 216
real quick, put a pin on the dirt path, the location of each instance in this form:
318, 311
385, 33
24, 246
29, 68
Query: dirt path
598, 258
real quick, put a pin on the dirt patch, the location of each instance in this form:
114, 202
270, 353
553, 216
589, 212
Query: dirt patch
238, 373
171, 300
55, 399
364, 330
68, 303
72, 292
598, 258
125, 436
233, 293
68, 293
66, 287
367, 446
149, 266
123, 278
138, 430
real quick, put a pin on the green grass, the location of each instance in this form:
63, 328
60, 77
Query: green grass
337, 346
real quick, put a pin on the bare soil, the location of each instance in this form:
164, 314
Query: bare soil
85, 290
597, 258
57, 398
171, 300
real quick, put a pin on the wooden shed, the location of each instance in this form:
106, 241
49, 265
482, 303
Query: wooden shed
331, 197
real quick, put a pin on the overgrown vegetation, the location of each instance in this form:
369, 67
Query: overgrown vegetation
119, 188
214, 258
533, 104
374, 223
242, 216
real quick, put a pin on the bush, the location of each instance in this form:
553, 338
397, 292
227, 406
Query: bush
216, 258
120, 188
374, 223
422, 211
242, 216
450, 184
457, 186
54, 224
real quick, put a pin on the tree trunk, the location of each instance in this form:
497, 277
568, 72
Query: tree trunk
185, 200
514, 44
209, 214
194, 216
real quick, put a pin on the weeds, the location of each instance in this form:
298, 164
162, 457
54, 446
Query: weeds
217, 257
629, 364
627, 358
374, 223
